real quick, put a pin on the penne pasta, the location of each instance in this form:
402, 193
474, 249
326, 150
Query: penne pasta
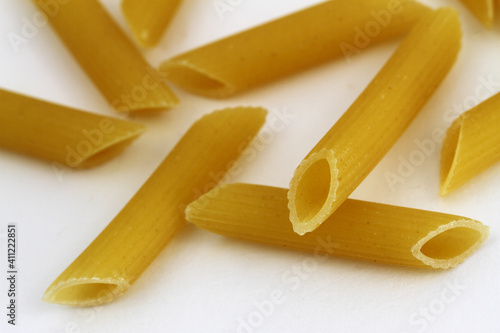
358, 229
149, 19
126, 247
471, 145
289, 44
110, 60
368, 129
483, 10
60, 134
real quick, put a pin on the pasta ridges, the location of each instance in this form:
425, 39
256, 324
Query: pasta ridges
471, 145
373, 123
450, 244
289, 44
152, 217
64, 136
357, 229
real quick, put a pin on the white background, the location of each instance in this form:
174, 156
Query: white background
207, 283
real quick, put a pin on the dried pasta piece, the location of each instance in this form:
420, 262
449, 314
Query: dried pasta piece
358, 229
126, 247
148, 19
59, 134
471, 145
289, 44
483, 10
108, 57
364, 134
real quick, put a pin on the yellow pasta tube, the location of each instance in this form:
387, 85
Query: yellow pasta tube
369, 128
148, 19
483, 10
286, 45
471, 145
126, 247
60, 134
358, 229
108, 57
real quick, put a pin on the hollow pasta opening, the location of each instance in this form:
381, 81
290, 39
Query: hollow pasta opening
450, 243
312, 191
85, 292
193, 79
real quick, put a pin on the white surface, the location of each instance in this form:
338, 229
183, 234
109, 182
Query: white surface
207, 283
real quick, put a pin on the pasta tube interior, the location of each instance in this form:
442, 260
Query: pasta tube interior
300, 40
358, 229
128, 245
471, 145
70, 137
364, 134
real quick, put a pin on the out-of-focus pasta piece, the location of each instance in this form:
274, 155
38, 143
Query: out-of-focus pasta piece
148, 19
358, 229
130, 243
281, 47
108, 57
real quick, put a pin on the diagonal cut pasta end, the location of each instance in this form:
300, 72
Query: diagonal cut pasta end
471, 145
150, 97
449, 156
312, 194
281, 47
483, 10
450, 244
375, 121
143, 228
194, 79
157, 100
62, 135
487, 16
86, 291
110, 149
